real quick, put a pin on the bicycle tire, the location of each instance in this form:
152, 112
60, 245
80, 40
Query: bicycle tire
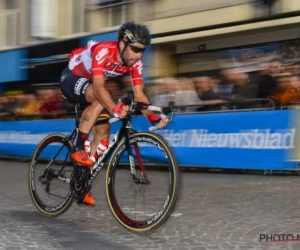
166, 208
37, 201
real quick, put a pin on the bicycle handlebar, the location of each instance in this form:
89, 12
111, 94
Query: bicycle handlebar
163, 111
138, 106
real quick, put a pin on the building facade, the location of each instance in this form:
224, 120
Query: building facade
178, 27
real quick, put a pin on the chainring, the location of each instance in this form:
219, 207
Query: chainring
79, 183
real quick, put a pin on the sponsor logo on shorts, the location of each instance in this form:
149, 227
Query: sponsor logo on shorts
85, 87
79, 85
63, 77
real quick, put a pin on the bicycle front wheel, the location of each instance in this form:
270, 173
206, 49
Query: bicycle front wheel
50, 173
142, 195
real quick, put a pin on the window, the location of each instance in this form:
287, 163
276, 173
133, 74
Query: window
12, 25
117, 11
43, 18
12, 4
78, 20
9, 28
116, 15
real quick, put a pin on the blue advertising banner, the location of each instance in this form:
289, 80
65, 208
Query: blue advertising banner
13, 66
261, 140
250, 140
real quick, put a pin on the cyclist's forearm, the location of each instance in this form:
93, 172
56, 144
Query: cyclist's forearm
143, 98
104, 97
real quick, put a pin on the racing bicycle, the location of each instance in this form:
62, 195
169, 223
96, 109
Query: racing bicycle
142, 176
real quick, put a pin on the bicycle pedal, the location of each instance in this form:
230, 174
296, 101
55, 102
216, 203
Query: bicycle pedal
78, 165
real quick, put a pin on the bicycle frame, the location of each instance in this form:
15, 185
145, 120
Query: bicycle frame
125, 131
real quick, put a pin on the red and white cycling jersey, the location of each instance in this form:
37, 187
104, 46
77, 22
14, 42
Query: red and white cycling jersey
100, 58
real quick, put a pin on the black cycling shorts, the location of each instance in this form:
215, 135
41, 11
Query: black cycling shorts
73, 88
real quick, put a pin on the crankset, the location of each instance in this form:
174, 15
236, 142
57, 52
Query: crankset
79, 183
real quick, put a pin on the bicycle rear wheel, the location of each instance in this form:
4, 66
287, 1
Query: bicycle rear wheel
145, 203
50, 173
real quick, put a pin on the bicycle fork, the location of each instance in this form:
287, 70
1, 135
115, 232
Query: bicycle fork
132, 164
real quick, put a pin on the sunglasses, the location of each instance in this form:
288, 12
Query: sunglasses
136, 50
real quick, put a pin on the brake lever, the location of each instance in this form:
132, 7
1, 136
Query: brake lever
172, 112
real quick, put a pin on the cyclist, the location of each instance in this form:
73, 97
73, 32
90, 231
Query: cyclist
83, 81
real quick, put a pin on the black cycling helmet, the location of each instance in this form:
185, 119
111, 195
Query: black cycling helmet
134, 33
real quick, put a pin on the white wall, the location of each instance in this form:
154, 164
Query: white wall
283, 6
203, 19
168, 8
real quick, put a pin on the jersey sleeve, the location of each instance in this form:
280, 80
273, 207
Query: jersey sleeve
99, 57
136, 73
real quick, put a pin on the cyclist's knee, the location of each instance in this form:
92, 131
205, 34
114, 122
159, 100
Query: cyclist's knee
97, 106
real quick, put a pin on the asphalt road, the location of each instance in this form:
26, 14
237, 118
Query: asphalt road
215, 211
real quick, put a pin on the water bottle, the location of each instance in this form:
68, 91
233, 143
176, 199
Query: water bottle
99, 149
87, 147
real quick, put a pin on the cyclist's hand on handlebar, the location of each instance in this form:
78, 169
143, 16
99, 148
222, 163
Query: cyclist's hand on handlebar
120, 110
163, 122
159, 121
